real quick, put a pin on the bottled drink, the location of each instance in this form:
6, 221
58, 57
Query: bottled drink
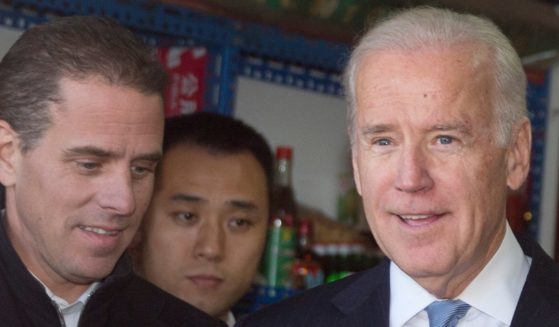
357, 258
280, 248
332, 254
307, 271
345, 268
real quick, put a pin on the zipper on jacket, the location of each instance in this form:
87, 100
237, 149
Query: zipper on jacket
59, 313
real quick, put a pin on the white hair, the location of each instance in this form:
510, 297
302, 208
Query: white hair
424, 27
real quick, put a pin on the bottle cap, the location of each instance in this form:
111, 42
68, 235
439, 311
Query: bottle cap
284, 152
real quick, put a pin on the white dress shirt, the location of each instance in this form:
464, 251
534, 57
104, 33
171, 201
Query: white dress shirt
492, 295
230, 319
70, 313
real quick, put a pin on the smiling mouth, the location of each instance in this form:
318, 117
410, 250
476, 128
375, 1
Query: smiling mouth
414, 217
99, 231
417, 220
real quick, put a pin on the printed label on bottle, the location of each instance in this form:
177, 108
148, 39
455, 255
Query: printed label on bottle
279, 258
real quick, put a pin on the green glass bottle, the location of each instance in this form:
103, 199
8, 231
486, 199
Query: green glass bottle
282, 238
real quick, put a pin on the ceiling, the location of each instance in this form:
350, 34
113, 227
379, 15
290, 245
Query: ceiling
532, 25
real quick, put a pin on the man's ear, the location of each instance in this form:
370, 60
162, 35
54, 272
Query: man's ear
518, 156
356, 176
9, 147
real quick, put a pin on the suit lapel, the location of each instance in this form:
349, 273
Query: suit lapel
539, 301
366, 301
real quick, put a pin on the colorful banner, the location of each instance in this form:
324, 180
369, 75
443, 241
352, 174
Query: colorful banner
186, 68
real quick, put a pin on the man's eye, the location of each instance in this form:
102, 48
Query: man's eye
382, 142
240, 223
184, 217
445, 140
140, 171
88, 166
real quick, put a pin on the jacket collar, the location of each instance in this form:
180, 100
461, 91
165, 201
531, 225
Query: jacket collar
24, 286
31, 293
367, 297
539, 301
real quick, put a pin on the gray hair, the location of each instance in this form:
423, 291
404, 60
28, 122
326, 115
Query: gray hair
423, 27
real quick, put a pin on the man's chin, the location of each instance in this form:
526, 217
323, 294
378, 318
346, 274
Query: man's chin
90, 272
210, 306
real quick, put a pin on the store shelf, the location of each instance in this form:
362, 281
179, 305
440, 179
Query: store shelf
232, 44
297, 76
537, 100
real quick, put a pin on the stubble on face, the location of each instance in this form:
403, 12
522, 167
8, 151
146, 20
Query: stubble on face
82, 190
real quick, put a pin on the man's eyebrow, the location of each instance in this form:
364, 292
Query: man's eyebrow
381, 128
154, 156
238, 204
375, 129
460, 127
89, 150
242, 204
184, 197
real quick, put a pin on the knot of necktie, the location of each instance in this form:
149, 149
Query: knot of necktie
446, 313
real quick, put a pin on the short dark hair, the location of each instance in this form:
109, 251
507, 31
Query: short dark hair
220, 134
75, 47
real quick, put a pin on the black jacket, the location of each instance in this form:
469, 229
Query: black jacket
363, 299
123, 299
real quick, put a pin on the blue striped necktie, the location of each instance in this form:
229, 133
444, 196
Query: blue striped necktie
446, 313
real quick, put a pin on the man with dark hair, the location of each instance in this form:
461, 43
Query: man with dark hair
205, 229
81, 126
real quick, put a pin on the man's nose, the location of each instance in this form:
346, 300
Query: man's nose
210, 241
413, 173
117, 193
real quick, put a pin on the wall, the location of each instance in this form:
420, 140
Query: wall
7, 37
313, 123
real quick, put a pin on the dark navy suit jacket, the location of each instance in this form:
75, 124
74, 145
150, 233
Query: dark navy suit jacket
363, 299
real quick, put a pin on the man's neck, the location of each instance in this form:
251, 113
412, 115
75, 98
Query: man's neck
68, 291
453, 283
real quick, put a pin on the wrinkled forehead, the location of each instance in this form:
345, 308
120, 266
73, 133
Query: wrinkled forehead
432, 83
436, 70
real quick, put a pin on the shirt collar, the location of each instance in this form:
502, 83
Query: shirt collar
407, 298
230, 320
71, 312
63, 304
504, 275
